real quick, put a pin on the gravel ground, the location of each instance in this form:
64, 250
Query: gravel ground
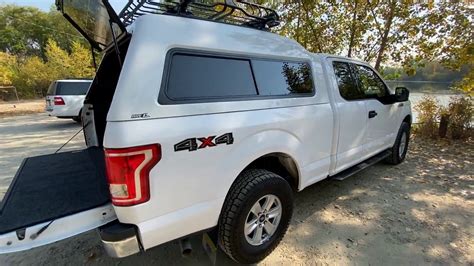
419, 212
21, 107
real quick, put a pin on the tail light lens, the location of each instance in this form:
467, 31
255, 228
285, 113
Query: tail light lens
59, 101
128, 172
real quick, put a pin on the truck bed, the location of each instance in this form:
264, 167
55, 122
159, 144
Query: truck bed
52, 186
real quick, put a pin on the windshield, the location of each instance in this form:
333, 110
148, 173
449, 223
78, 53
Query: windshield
91, 19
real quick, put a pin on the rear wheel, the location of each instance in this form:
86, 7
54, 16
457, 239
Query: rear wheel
255, 216
78, 118
400, 148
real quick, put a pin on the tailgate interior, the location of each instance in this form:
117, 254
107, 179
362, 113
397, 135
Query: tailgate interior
52, 186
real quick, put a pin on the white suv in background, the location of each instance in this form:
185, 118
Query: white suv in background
65, 98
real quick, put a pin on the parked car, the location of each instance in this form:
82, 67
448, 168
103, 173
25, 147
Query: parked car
65, 98
195, 126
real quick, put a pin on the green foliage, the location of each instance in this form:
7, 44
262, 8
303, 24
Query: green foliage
81, 61
409, 35
7, 62
428, 71
32, 75
428, 112
459, 114
24, 31
466, 85
400, 32
38, 47
391, 73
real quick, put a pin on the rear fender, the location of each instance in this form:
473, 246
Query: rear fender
268, 142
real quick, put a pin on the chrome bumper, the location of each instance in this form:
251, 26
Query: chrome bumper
119, 240
123, 248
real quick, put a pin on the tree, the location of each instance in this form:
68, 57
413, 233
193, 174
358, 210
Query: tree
81, 61
24, 31
448, 36
389, 16
33, 75
310, 23
381, 32
7, 64
32, 78
58, 61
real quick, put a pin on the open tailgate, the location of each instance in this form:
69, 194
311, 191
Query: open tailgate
53, 197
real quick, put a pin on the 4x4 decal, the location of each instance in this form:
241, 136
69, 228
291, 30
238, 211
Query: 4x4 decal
191, 144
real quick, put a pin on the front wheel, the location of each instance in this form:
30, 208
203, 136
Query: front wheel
255, 216
400, 148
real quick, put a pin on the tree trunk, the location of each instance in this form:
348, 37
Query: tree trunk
443, 126
387, 27
353, 30
298, 23
318, 44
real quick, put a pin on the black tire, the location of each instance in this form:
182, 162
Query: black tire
78, 118
250, 186
396, 157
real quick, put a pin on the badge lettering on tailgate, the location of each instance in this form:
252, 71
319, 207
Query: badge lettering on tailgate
191, 144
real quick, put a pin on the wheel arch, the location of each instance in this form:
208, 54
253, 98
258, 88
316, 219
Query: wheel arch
407, 119
280, 153
279, 163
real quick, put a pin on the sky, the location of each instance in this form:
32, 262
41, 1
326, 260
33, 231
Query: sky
45, 5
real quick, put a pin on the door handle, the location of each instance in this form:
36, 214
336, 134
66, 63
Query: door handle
400, 104
372, 114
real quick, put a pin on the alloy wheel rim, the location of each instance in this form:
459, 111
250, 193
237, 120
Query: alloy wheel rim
262, 220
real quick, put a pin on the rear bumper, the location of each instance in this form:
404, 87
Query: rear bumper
62, 111
176, 224
119, 240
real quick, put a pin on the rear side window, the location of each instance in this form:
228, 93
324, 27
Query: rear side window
72, 88
205, 77
345, 80
282, 78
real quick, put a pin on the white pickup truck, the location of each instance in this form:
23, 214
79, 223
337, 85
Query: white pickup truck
198, 122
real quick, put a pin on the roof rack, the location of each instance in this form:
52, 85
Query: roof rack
236, 12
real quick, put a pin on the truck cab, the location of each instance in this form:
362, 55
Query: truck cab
205, 123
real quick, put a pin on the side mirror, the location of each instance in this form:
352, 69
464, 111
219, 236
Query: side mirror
401, 94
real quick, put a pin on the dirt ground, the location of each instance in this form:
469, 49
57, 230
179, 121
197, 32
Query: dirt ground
21, 107
419, 212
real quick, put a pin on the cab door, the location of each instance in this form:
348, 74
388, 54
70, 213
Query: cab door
382, 114
352, 116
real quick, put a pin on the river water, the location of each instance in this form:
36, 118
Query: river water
418, 89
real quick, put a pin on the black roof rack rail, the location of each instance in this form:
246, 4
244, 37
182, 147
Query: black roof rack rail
236, 12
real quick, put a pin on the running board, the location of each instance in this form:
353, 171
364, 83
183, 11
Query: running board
361, 166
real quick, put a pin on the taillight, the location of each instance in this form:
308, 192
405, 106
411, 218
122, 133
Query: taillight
128, 173
59, 101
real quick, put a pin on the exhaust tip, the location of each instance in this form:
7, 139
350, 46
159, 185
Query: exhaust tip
186, 247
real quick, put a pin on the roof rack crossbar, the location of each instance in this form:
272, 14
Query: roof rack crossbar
236, 12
